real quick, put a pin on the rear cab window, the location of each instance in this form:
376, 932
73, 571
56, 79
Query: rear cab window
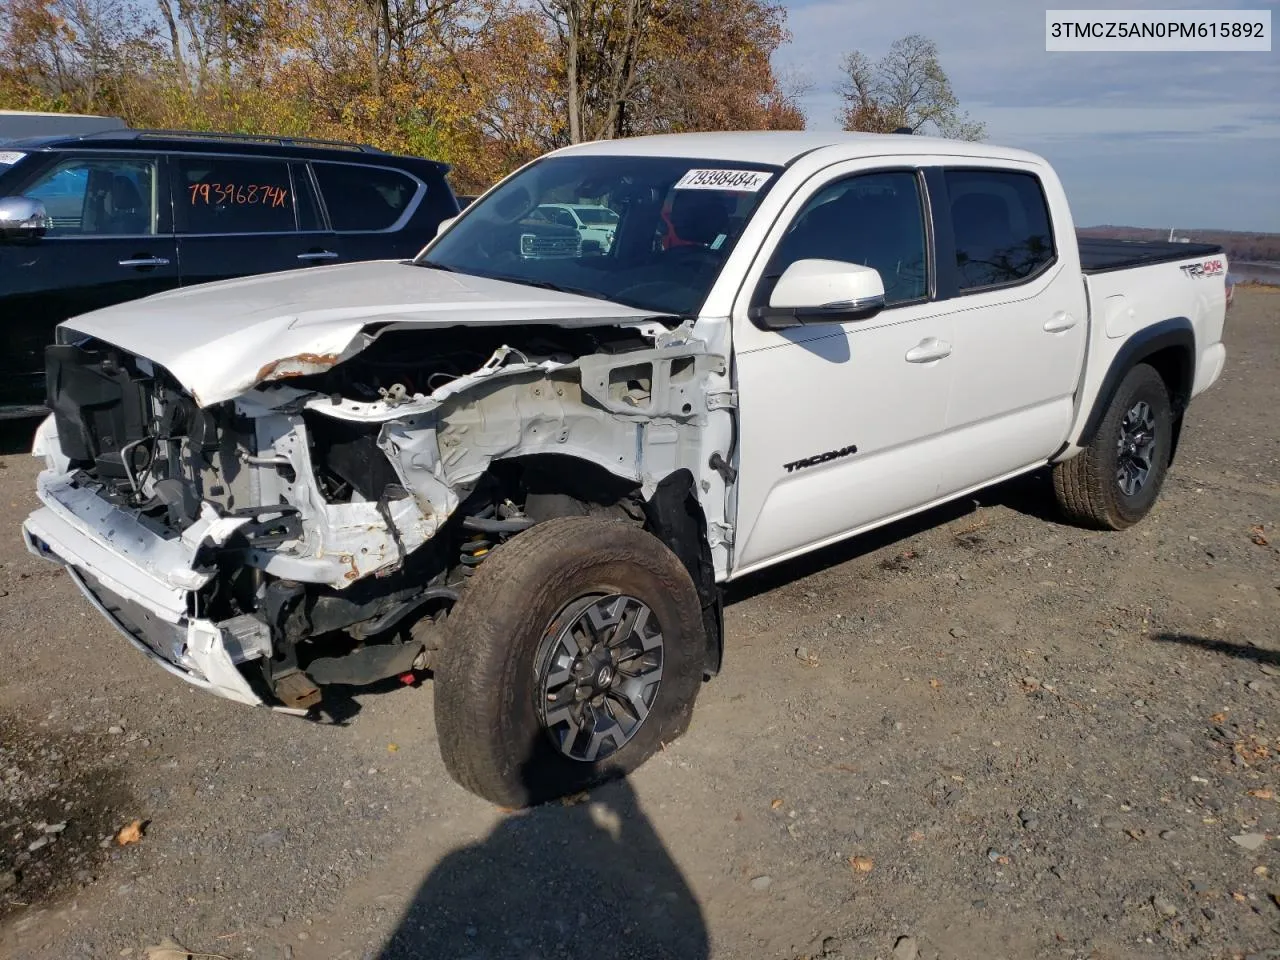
363, 198
1002, 228
221, 195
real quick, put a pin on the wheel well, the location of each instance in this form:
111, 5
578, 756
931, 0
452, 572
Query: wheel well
1174, 364
548, 486
674, 515
1169, 347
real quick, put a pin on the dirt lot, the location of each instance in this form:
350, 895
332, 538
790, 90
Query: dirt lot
1001, 738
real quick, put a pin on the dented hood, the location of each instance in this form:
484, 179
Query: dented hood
221, 339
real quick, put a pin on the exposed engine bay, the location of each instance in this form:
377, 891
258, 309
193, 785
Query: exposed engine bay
332, 514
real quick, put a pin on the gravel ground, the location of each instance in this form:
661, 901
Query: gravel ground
980, 734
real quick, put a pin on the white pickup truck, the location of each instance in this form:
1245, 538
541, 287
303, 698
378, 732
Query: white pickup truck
530, 476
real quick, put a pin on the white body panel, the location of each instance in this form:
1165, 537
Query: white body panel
1133, 299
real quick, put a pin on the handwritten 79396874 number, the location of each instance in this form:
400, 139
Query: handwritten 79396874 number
238, 193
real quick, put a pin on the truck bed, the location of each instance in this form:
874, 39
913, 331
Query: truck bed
1099, 255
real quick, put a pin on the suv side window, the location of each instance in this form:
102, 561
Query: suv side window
361, 198
1001, 223
873, 219
233, 195
99, 196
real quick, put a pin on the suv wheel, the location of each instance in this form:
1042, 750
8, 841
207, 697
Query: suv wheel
574, 653
1115, 481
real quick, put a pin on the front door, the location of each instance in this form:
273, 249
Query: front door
842, 423
111, 241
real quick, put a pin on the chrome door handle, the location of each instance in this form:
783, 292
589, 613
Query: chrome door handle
928, 350
1059, 322
145, 262
318, 255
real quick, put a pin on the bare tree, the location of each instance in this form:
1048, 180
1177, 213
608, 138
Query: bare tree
600, 45
907, 87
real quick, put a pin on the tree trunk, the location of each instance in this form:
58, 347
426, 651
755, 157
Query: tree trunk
175, 41
573, 17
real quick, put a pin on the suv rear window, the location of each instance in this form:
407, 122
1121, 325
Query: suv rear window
363, 198
233, 195
1001, 223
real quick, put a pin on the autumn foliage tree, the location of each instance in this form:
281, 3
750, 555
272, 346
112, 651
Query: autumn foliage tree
907, 87
483, 84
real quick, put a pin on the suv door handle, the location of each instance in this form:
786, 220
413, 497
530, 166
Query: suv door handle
928, 350
145, 262
1059, 322
318, 255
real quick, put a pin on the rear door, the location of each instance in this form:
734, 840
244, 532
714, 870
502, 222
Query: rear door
1020, 323
111, 241
370, 208
241, 215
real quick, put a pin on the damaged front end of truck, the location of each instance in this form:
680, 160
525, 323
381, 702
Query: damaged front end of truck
313, 522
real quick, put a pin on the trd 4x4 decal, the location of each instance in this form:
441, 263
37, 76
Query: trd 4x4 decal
1210, 268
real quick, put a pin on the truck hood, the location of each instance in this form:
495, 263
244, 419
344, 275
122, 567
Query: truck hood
221, 339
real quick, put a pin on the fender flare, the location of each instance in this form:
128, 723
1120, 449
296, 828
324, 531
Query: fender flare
1176, 332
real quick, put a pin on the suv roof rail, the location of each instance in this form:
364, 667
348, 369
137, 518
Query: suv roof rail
266, 138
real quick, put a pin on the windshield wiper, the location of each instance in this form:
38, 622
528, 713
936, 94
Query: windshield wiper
431, 265
548, 285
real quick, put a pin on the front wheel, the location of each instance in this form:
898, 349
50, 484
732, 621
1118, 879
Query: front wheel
1114, 482
575, 653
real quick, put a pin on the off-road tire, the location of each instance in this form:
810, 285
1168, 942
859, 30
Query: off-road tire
486, 689
1086, 486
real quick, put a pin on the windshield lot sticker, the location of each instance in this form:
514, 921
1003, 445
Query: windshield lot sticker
747, 181
10, 156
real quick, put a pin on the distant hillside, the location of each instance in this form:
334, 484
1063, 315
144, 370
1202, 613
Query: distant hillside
1264, 247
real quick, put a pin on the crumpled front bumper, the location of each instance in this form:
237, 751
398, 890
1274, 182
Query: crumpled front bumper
145, 586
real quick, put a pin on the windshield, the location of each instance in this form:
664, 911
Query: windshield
673, 223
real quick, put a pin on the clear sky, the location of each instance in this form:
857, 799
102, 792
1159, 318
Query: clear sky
1141, 139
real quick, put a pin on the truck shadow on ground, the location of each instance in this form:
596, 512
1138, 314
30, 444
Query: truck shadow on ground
16, 436
587, 879
1241, 651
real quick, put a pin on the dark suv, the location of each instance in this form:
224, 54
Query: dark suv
90, 221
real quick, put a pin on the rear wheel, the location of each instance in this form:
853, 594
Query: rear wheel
1115, 481
574, 654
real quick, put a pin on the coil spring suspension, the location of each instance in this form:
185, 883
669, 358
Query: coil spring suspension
487, 529
473, 553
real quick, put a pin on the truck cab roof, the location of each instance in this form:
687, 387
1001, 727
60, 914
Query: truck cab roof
782, 147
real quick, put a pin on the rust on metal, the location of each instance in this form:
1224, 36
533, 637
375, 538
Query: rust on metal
299, 366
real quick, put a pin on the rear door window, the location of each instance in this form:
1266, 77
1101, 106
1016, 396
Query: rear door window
99, 196
361, 198
214, 195
1000, 220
